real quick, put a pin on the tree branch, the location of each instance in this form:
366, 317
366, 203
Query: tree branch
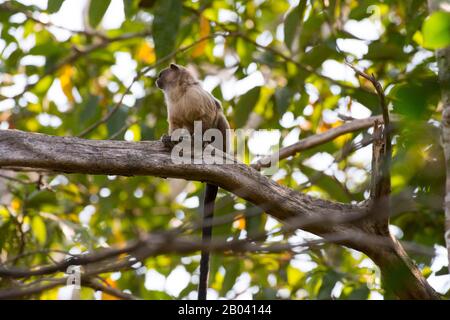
316, 140
75, 155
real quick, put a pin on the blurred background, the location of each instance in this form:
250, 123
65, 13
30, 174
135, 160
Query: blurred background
67, 64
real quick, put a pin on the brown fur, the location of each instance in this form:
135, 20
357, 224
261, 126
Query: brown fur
187, 101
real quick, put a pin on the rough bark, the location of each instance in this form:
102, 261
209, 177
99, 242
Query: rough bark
74, 155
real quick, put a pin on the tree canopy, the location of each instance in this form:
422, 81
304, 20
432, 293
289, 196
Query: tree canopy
302, 70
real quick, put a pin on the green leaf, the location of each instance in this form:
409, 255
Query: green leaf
245, 51
367, 99
302, 103
292, 23
414, 100
436, 30
385, 51
89, 110
131, 7
318, 54
54, 5
442, 272
38, 198
147, 133
224, 206
43, 85
97, 10
268, 58
255, 220
309, 32
360, 12
283, 98
232, 272
328, 283
290, 26
48, 49
245, 105
216, 263
39, 230
360, 293
409, 100
165, 26
117, 120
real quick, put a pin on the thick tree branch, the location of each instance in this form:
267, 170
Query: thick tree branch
75, 155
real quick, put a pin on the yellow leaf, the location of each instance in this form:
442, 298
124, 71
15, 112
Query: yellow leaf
111, 283
117, 232
49, 294
239, 223
136, 129
323, 127
65, 78
4, 214
145, 53
342, 140
32, 125
33, 107
218, 281
418, 38
39, 229
293, 275
204, 31
427, 272
15, 204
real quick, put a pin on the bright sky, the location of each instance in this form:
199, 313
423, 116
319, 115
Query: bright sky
71, 16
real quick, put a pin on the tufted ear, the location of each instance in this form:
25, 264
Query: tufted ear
173, 66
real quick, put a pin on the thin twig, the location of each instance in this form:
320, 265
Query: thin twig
383, 150
316, 140
96, 285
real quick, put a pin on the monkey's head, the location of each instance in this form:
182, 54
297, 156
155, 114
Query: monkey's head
173, 77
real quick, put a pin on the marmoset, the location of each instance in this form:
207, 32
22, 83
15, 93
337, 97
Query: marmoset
187, 102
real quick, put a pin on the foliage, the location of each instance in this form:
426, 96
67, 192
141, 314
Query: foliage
292, 44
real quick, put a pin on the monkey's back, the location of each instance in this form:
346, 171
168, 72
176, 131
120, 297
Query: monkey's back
194, 104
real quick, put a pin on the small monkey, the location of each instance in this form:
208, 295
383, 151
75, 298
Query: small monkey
188, 102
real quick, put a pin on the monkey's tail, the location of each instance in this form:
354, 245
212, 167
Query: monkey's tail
208, 213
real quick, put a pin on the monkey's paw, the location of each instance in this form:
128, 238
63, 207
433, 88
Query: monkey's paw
167, 141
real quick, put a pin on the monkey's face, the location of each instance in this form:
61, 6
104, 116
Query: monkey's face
168, 77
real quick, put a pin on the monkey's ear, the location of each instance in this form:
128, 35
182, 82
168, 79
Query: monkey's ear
173, 66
